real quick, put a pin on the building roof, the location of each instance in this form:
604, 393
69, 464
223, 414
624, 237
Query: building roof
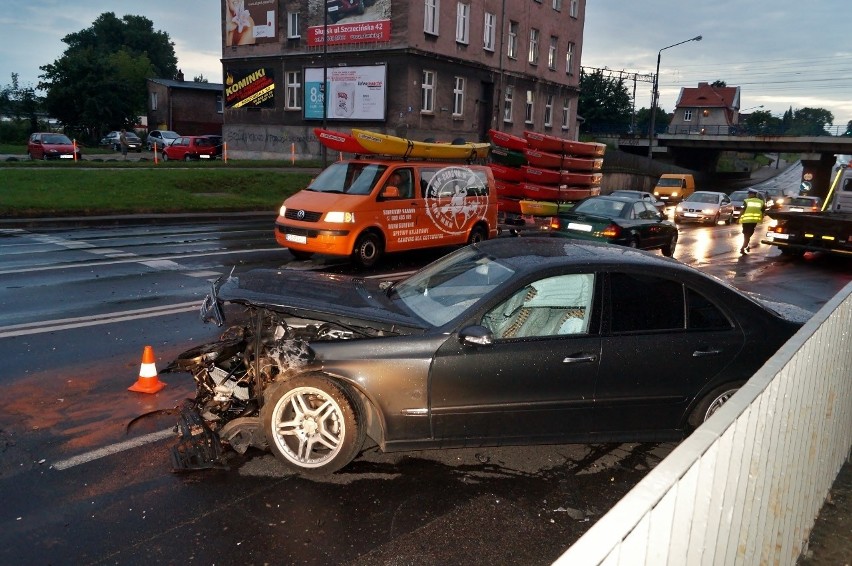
218, 87
707, 96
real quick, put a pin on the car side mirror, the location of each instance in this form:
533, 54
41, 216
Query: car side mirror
476, 335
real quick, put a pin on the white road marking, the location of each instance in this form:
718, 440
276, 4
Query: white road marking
95, 320
113, 449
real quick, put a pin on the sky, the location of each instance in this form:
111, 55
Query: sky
782, 54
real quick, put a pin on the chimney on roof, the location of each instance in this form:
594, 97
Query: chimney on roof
702, 84
179, 76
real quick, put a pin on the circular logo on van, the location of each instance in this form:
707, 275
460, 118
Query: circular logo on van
455, 197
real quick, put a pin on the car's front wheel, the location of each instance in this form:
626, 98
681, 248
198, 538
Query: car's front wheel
165, 156
187, 157
313, 424
712, 402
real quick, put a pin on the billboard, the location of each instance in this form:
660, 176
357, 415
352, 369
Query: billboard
250, 89
357, 93
348, 33
249, 21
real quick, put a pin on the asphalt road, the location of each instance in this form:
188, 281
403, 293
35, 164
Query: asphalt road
77, 305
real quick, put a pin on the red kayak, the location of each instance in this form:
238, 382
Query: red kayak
508, 189
339, 141
543, 159
502, 139
553, 144
534, 191
582, 163
507, 173
577, 193
509, 205
542, 176
582, 179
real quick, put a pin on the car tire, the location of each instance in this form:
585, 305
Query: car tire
301, 256
313, 424
477, 234
368, 250
633, 243
165, 156
669, 249
711, 403
186, 157
715, 221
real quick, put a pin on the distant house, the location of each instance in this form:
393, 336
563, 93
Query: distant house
706, 110
186, 107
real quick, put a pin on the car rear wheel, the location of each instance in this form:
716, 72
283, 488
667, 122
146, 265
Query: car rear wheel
712, 402
633, 242
313, 424
368, 250
669, 249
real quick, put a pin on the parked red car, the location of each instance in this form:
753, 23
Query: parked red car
49, 145
190, 148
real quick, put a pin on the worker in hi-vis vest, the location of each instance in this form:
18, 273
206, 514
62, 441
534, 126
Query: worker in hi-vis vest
752, 215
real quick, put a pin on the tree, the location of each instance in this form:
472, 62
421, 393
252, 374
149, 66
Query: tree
200, 79
643, 120
810, 122
718, 84
20, 106
99, 83
604, 102
762, 122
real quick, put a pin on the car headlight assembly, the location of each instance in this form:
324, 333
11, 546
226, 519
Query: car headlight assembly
709, 211
340, 217
282, 211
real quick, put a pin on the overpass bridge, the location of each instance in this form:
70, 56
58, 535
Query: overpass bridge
700, 150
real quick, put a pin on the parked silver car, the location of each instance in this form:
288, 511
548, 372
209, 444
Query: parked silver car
163, 138
705, 206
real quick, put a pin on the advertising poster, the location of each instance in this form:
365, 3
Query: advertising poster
355, 93
348, 33
249, 21
250, 89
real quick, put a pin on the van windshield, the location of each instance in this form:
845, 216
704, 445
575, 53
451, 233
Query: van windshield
669, 182
352, 178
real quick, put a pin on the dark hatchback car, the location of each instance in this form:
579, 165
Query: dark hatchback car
623, 220
508, 341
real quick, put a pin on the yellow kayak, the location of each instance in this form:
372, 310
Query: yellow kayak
544, 207
385, 144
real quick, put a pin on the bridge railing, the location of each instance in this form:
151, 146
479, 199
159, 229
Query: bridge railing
747, 485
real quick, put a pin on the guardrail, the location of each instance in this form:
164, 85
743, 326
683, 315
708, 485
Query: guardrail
747, 485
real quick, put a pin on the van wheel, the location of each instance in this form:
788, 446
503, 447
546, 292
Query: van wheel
368, 250
477, 234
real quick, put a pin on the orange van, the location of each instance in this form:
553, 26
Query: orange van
363, 208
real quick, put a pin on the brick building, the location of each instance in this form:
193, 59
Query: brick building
423, 69
186, 107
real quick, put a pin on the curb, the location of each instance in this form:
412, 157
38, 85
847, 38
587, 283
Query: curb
134, 219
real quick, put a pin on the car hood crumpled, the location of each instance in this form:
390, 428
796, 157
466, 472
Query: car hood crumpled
322, 296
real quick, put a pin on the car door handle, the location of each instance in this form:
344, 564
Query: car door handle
703, 353
580, 358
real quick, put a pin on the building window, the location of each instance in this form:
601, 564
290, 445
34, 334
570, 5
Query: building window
533, 55
430, 20
293, 88
427, 92
507, 105
557, 5
548, 111
551, 53
574, 8
569, 59
463, 23
153, 101
293, 25
687, 115
566, 113
512, 50
528, 108
458, 97
489, 31
220, 104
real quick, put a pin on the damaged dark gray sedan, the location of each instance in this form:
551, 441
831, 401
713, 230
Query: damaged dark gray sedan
509, 341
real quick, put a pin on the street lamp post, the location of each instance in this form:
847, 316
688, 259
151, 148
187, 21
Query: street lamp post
655, 94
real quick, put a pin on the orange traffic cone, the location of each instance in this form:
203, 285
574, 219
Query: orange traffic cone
148, 381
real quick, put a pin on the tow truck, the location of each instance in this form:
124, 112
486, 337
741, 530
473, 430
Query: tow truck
827, 231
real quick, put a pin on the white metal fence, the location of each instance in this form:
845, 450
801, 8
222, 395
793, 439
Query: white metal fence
746, 486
